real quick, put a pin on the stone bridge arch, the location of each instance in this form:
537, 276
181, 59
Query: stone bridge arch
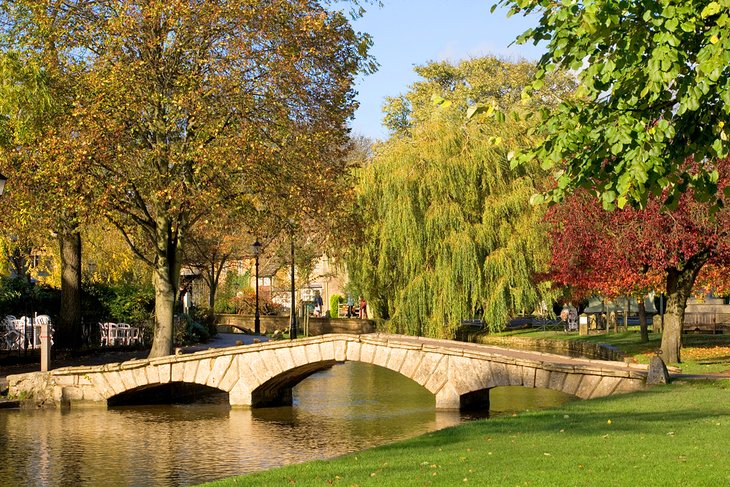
459, 375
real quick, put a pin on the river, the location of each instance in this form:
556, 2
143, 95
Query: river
347, 408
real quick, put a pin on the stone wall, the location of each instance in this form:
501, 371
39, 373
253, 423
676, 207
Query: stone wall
229, 323
573, 348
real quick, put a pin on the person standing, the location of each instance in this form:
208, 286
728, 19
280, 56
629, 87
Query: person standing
363, 308
350, 306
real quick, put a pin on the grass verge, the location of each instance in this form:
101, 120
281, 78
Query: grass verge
675, 435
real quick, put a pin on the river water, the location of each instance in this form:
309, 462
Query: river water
347, 408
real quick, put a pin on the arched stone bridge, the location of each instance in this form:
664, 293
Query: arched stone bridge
458, 374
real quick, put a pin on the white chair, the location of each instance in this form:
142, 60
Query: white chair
124, 333
9, 336
135, 335
109, 334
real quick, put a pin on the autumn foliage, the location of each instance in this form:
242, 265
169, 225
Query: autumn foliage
631, 251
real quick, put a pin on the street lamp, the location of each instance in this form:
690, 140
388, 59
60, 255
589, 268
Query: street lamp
3, 179
293, 314
257, 319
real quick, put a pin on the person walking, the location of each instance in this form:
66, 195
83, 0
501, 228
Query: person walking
350, 306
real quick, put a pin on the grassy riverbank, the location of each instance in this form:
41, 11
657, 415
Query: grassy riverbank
676, 435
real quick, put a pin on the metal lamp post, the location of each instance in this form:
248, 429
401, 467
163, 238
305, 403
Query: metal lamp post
293, 314
257, 319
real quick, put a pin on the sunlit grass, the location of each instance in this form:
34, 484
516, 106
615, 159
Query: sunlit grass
674, 435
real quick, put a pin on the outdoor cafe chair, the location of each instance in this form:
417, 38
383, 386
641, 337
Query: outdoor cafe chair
109, 334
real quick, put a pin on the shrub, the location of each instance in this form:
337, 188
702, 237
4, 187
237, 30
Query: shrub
335, 301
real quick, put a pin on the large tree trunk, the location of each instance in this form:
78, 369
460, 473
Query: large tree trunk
165, 280
679, 287
642, 320
68, 333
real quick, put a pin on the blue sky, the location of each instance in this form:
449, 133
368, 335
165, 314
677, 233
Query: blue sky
408, 33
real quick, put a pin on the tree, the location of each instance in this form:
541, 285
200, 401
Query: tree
188, 110
448, 231
39, 73
594, 252
639, 249
654, 92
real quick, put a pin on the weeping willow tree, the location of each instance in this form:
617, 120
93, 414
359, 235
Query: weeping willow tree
448, 232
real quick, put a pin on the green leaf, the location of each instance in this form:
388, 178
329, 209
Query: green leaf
710, 9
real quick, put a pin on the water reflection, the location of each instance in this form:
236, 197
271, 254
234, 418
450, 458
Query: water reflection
347, 408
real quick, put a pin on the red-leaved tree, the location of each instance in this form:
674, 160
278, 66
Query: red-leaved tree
631, 251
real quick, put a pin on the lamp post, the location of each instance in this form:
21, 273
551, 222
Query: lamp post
293, 314
257, 318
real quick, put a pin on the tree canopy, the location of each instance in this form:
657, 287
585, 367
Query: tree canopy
654, 92
632, 251
448, 231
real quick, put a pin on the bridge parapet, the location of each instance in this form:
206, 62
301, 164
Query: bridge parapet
458, 374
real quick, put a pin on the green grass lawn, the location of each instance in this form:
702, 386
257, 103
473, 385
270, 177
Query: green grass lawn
675, 435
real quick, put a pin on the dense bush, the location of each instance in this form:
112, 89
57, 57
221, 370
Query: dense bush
188, 330
19, 297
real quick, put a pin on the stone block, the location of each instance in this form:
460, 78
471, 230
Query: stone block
269, 358
115, 382
439, 376
340, 348
91, 394
189, 371
327, 350
465, 375
514, 372
427, 367
204, 367
153, 374
101, 385
629, 385
127, 378
528, 376
257, 366
299, 356
229, 376
246, 376
65, 380
140, 376
500, 376
542, 378
218, 370
658, 373
353, 351
557, 379
367, 353
448, 399
606, 386
164, 373
283, 355
312, 353
70, 393
411, 363
382, 354
177, 371
572, 383
395, 359
239, 396
587, 385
